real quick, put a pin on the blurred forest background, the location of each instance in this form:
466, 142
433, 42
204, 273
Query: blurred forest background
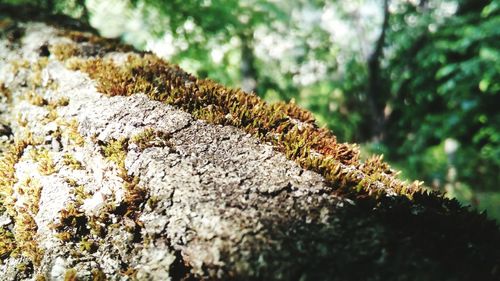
416, 80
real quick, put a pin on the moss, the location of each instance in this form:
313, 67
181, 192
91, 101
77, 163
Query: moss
115, 151
80, 194
16, 65
64, 51
35, 99
130, 272
21, 120
42, 156
70, 161
69, 130
72, 225
50, 116
7, 242
24, 230
151, 138
25, 227
98, 275
87, 245
36, 71
7, 173
5, 92
64, 101
70, 275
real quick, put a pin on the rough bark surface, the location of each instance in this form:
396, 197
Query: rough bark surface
196, 201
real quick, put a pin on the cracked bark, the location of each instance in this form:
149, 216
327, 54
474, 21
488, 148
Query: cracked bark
219, 203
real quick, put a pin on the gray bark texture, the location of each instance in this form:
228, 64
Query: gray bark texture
208, 202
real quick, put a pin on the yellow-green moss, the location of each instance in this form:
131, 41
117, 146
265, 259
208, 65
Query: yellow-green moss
36, 71
70, 161
7, 173
70, 275
69, 130
21, 120
151, 138
64, 51
115, 151
63, 101
18, 64
25, 227
5, 91
87, 245
98, 275
42, 156
35, 99
86, 230
24, 230
40, 277
7, 242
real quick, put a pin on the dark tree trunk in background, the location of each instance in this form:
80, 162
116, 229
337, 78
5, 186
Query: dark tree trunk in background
376, 87
248, 70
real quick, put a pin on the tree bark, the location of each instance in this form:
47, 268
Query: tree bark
97, 187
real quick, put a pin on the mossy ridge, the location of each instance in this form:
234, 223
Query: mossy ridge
289, 128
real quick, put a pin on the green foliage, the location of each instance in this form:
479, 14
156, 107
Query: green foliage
446, 85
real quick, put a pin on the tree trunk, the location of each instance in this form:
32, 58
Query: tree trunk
101, 179
248, 71
376, 87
